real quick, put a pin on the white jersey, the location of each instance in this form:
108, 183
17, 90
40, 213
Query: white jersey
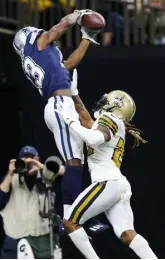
104, 161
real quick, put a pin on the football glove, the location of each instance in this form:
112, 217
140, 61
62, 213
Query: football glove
73, 89
89, 34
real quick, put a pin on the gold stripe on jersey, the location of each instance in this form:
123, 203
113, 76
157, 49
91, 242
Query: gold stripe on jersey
90, 150
108, 122
86, 202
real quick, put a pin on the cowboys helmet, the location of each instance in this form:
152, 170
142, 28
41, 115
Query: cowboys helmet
21, 37
117, 102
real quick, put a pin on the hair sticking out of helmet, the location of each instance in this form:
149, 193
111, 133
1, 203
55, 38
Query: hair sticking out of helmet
136, 133
123, 106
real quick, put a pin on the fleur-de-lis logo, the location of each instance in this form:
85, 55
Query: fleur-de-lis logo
119, 101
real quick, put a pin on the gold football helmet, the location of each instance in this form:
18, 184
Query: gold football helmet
119, 103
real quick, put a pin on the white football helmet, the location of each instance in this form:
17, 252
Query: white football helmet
119, 103
20, 38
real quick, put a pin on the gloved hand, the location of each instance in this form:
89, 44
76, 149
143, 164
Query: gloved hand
89, 34
82, 13
64, 110
73, 88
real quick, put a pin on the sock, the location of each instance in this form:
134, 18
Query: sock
80, 239
71, 184
66, 208
140, 246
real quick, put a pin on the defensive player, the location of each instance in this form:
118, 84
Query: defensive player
42, 63
110, 192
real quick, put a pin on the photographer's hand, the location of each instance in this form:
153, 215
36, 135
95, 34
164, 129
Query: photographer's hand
5, 185
37, 166
11, 167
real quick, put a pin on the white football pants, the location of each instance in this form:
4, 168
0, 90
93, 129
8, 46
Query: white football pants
68, 143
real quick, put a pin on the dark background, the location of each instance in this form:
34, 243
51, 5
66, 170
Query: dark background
139, 71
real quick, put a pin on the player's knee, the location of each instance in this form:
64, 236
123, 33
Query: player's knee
69, 226
127, 236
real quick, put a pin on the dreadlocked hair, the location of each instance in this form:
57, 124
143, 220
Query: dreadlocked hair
136, 133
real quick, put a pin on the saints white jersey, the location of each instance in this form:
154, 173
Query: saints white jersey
104, 161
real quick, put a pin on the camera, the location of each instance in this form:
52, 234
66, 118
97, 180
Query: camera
20, 166
52, 166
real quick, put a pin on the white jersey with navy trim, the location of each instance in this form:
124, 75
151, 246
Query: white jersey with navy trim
105, 160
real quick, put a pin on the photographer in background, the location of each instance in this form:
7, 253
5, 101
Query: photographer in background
23, 203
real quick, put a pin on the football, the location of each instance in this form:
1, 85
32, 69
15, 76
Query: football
94, 22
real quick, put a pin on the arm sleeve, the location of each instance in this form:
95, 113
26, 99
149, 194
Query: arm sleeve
89, 136
4, 198
110, 122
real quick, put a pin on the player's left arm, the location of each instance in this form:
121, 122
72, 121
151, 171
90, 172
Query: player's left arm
90, 136
59, 29
107, 127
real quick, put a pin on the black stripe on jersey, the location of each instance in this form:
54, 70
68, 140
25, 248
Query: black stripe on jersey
108, 122
104, 123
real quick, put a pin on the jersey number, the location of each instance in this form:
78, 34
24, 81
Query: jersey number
34, 73
117, 156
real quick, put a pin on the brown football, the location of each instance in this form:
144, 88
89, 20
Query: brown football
94, 22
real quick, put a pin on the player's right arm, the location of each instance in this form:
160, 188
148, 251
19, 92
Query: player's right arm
84, 116
78, 54
75, 58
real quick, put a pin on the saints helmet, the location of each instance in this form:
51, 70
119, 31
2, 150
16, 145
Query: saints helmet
117, 102
21, 37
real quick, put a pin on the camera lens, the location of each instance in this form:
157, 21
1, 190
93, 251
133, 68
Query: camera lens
19, 165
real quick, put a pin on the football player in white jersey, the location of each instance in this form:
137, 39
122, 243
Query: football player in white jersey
110, 191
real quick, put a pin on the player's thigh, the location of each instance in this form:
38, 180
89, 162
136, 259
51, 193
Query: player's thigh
49, 115
53, 122
68, 143
97, 198
120, 215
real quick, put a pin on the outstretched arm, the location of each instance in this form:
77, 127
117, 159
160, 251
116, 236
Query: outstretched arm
58, 30
75, 58
92, 137
84, 116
